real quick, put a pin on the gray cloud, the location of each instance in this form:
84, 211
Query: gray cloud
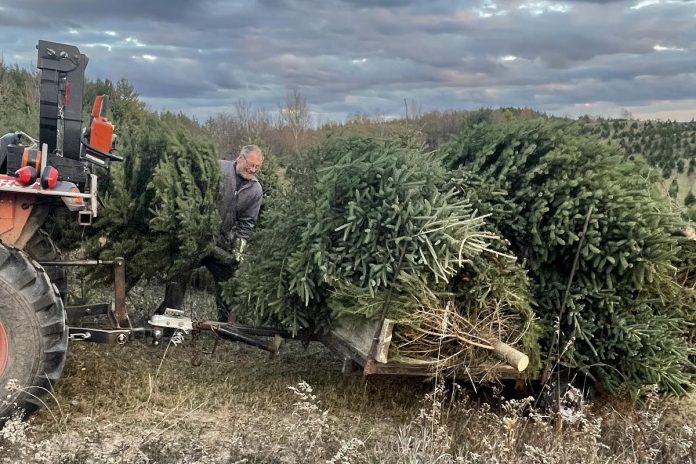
368, 55
602, 1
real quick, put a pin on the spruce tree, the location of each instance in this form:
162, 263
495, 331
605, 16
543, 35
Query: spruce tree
366, 221
623, 320
161, 212
673, 189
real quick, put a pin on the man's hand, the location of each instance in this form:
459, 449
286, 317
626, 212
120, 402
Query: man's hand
223, 256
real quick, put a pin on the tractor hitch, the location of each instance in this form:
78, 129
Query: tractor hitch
116, 327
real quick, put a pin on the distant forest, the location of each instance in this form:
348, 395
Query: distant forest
668, 146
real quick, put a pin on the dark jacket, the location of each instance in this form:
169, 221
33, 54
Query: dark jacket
239, 209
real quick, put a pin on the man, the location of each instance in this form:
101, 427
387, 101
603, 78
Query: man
239, 204
241, 194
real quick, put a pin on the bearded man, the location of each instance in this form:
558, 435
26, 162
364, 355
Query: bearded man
239, 205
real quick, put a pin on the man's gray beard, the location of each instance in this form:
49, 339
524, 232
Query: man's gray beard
243, 174
246, 176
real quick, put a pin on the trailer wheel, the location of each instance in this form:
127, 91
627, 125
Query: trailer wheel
41, 248
33, 334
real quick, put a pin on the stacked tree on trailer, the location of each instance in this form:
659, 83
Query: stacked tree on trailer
623, 316
370, 222
369, 226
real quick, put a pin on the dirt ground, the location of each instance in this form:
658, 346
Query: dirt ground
141, 403
237, 397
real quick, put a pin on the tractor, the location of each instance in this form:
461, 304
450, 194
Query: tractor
36, 176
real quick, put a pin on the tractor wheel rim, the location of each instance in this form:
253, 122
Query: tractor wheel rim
4, 349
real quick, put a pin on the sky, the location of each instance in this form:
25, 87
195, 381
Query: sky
378, 57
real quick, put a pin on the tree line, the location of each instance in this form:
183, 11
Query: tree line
292, 127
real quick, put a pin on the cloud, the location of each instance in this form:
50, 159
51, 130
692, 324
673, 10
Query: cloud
350, 56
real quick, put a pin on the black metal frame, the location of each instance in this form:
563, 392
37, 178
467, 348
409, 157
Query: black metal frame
62, 85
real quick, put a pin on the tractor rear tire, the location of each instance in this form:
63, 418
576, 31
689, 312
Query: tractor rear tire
41, 248
33, 334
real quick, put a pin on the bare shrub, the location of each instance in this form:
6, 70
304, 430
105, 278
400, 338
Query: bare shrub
312, 436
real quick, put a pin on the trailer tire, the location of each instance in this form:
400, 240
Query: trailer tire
41, 248
33, 335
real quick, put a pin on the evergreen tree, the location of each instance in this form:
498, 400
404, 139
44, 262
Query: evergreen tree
690, 199
161, 213
366, 221
125, 108
673, 189
666, 171
19, 100
623, 319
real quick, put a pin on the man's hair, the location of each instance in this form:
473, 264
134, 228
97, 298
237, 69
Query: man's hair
246, 149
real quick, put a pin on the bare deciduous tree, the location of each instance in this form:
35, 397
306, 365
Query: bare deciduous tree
296, 116
415, 111
243, 127
626, 114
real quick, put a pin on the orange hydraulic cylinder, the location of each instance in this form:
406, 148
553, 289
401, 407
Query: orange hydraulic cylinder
101, 130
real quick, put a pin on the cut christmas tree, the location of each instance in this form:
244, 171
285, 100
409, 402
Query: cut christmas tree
375, 229
599, 243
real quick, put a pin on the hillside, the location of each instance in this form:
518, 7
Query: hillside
669, 146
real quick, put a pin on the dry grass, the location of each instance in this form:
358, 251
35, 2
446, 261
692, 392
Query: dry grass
132, 404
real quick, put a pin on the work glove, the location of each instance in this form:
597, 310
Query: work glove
223, 256
240, 245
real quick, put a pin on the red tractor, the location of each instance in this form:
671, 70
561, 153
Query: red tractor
35, 177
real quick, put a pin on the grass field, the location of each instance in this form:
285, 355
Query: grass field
141, 403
